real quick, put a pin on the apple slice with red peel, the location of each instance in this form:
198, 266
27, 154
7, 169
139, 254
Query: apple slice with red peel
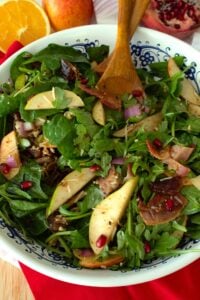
9, 151
188, 91
68, 187
107, 215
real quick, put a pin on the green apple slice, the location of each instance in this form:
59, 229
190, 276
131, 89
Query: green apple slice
108, 213
8, 149
188, 91
98, 113
68, 187
150, 123
45, 100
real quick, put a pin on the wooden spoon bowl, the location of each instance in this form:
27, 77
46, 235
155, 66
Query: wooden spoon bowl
138, 10
120, 75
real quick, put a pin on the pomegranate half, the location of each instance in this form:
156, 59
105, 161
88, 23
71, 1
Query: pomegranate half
179, 18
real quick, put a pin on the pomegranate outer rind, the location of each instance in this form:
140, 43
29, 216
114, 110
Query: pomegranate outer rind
151, 20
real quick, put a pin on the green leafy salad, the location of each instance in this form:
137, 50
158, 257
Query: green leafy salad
104, 181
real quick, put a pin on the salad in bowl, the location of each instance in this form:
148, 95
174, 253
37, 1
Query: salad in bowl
95, 184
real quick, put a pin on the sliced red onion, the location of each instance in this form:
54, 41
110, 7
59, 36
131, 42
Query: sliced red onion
118, 161
11, 162
132, 111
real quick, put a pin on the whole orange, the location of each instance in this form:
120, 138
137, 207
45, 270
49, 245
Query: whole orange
65, 14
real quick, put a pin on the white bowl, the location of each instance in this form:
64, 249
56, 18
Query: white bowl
147, 46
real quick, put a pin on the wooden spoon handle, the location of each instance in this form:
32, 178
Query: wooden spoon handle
137, 11
137, 14
125, 8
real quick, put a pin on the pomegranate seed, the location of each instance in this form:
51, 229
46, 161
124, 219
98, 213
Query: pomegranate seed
137, 93
147, 247
84, 80
157, 143
169, 203
95, 168
26, 185
177, 26
4, 168
101, 241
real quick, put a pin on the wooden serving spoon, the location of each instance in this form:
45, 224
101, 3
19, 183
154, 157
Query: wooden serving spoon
138, 11
120, 75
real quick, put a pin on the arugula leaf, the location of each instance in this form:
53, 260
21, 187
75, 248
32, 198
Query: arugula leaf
192, 194
83, 117
165, 242
191, 125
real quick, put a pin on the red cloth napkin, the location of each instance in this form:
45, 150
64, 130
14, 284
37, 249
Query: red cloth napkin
15, 46
181, 285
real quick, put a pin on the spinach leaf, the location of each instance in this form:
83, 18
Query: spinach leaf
8, 104
60, 132
30, 171
159, 69
52, 55
93, 196
97, 53
23, 208
35, 223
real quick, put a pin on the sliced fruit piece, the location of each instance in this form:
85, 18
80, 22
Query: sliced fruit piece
89, 260
188, 91
107, 214
173, 17
45, 100
94, 263
9, 150
98, 113
149, 124
22, 20
68, 187
195, 181
194, 109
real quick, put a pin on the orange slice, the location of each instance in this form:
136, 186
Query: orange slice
22, 20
